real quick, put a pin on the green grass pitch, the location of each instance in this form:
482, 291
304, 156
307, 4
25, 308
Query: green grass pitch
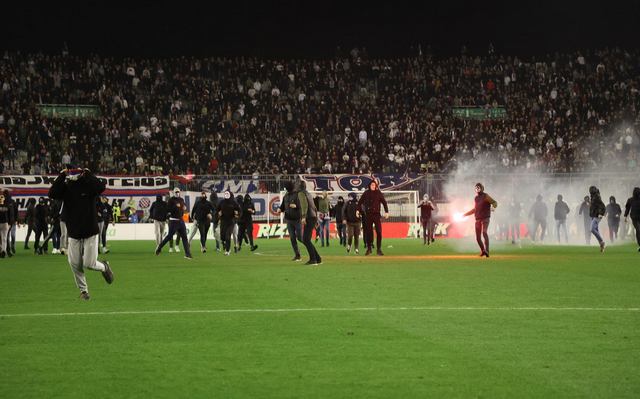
420, 322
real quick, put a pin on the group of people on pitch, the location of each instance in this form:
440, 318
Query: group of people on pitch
302, 217
596, 210
231, 219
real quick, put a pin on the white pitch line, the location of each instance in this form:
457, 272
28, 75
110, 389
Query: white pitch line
299, 310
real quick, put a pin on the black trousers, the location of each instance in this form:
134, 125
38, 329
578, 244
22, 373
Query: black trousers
226, 230
41, 231
427, 229
30, 228
203, 228
636, 225
482, 227
342, 232
245, 233
373, 221
307, 231
614, 226
295, 235
103, 234
177, 227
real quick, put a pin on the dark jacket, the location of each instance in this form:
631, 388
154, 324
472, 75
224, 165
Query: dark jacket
426, 209
248, 209
349, 211
337, 209
613, 211
227, 210
5, 209
597, 207
201, 209
30, 215
370, 202
54, 212
79, 203
539, 211
584, 210
13, 211
561, 210
482, 208
290, 205
158, 211
106, 211
175, 208
41, 215
633, 205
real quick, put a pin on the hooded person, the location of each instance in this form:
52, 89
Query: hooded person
158, 213
613, 213
13, 222
228, 212
176, 209
632, 208
78, 189
202, 215
238, 222
290, 207
5, 211
538, 214
246, 225
42, 217
560, 212
308, 220
341, 227
106, 211
30, 220
596, 212
351, 218
586, 219
482, 209
370, 203
213, 199
426, 212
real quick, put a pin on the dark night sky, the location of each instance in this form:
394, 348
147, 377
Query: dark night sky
314, 29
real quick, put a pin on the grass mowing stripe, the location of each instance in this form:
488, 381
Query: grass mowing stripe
294, 310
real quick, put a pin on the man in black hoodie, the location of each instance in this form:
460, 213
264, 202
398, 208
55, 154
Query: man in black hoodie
586, 219
596, 212
13, 222
176, 208
5, 215
158, 213
633, 208
539, 214
613, 213
30, 220
42, 215
213, 199
340, 226
79, 189
290, 206
560, 212
246, 227
351, 220
228, 211
202, 214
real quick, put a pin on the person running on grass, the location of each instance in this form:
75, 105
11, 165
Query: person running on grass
632, 208
78, 189
176, 208
484, 205
596, 212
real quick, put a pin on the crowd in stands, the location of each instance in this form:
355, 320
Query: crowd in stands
354, 113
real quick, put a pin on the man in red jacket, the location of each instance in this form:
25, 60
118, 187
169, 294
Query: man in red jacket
370, 204
484, 204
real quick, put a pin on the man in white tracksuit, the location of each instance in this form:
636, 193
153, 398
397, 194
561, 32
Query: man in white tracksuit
79, 190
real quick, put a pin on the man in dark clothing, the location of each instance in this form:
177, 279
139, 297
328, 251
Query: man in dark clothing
340, 226
613, 213
202, 214
482, 209
586, 220
54, 231
246, 227
632, 208
290, 206
5, 215
176, 209
228, 211
370, 202
515, 210
30, 220
42, 215
78, 190
426, 210
13, 222
213, 199
351, 219
158, 213
309, 221
560, 212
105, 212
539, 214
596, 212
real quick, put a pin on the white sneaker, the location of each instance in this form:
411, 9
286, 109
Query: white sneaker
226, 253
54, 252
348, 248
171, 250
357, 251
177, 249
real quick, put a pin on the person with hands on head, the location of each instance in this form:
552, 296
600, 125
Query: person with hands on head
78, 189
370, 203
426, 212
